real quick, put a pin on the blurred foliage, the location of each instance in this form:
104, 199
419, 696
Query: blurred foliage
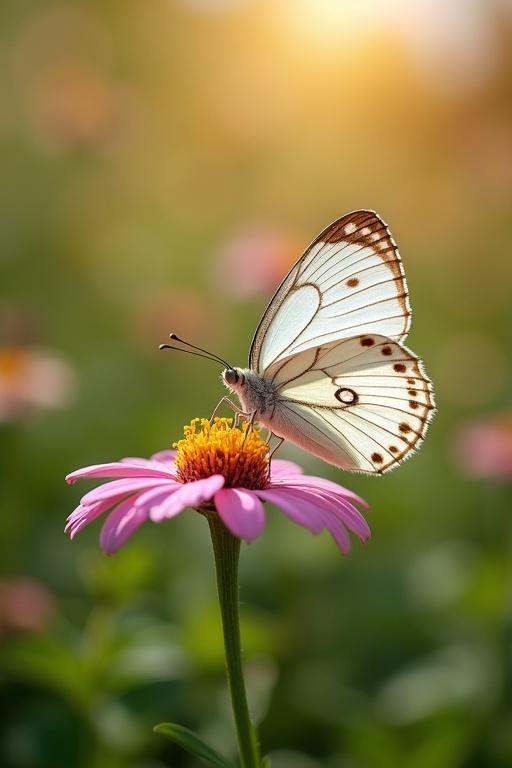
139, 144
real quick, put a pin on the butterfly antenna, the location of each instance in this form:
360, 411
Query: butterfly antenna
191, 352
211, 355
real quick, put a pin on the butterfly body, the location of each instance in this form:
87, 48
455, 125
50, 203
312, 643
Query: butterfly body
328, 369
260, 396
256, 393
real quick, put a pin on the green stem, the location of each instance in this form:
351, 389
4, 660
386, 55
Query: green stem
226, 548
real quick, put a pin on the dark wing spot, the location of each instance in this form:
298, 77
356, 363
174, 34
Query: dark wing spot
404, 427
386, 351
377, 458
412, 392
352, 282
346, 396
367, 342
399, 367
413, 404
393, 449
411, 382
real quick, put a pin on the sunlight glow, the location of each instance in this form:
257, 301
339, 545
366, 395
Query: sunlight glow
324, 20
447, 40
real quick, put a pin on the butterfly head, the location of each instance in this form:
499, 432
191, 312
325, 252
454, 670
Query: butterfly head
254, 392
234, 378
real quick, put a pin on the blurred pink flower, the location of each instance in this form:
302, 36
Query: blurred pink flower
218, 469
254, 261
484, 448
31, 380
25, 604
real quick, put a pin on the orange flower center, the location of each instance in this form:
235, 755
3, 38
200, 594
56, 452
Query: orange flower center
12, 363
236, 452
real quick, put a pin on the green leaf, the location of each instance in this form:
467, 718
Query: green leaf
192, 743
266, 763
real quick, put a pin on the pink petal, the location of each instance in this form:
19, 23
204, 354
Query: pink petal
341, 508
120, 524
119, 488
119, 469
298, 508
164, 457
350, 516
282, 468
148, 463
155, 496
139, 461
241, 512
338, 532
82, 516
320, 482
188, 495
159, 505
167, 508
337, 512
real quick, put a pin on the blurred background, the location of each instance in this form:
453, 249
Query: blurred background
162, 165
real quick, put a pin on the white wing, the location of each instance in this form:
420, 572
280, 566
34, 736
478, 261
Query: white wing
349, 281
362, 403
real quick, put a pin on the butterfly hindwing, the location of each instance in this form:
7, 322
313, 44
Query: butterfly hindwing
349, 281
362, 403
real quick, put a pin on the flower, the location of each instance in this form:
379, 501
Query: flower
32, 380
25, 605
255, 260
483, 449
68, 95
218, 468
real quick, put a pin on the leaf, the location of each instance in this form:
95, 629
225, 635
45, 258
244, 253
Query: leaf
192, 743
266, 763
50, 662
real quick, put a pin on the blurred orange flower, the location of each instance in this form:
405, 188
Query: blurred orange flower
74, 106
31, 380
61, 65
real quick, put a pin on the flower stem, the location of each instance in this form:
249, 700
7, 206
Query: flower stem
226, 548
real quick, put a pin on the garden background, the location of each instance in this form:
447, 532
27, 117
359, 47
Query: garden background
162, 164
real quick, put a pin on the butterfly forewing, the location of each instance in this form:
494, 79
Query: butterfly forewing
329, 352
349, 281
365, 402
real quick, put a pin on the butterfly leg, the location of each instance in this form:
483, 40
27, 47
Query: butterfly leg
225, 400
250, 423
274, 449
236, 410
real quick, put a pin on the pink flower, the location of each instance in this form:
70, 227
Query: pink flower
25, 605
484, 448
218, 469
255, 260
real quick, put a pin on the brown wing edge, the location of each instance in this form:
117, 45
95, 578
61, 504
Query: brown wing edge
378, 237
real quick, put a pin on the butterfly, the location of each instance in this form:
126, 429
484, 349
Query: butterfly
328, 369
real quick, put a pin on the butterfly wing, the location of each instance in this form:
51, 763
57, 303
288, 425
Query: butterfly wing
362, 403
348, 281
